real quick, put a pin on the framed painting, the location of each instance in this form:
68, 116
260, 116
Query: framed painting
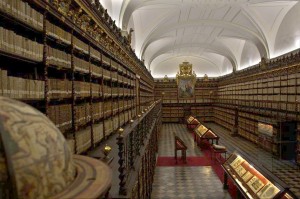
186, 87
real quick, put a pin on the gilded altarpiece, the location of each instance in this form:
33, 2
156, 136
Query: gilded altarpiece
186, 80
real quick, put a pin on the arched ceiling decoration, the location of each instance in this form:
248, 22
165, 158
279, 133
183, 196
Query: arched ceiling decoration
216, 36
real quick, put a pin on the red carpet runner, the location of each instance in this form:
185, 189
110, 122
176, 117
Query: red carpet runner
200, 161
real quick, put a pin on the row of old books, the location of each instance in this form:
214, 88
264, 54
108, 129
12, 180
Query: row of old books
123, 118
145, 99
110, 107
106, 74
124, 80
96, 70
106, 91
58, 58
97, 110
95, 54
224, 117
146, 94
118, 67
262, 91
115, 122
248, 124
115, 91
80, 45
21, 88
61, 116
23, 12
114, 65
83, 137
105, 60
148, 89
278, 97
107, 108
108, 125
114, 75
218, 119
96, 90
16, 44
83, 114
247, 134
269, 104
82, 89
202, 111
115, 107
58, 33
98, 132
60, 88
279, 81
81, 65
112, 124
83, 140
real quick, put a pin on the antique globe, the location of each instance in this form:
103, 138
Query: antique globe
36, 162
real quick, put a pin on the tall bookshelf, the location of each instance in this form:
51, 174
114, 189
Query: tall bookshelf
71, 62
175, 109
259, 93
239, 101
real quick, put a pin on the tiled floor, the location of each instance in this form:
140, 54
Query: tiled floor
166, 140
285, 170
188, 182
184, 182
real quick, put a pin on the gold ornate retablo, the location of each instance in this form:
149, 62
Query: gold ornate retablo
186, 80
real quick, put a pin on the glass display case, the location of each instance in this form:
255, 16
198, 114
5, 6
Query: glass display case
192, 122
189, 119
253, 181
201, 133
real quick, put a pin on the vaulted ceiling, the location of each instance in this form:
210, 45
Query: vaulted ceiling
216, 36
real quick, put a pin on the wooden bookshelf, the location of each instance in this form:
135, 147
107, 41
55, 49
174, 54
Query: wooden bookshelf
80, 72
175, 109
239, 101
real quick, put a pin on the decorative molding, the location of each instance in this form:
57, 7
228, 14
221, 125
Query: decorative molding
186, 71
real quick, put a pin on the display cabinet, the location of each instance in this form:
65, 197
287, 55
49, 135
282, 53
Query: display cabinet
251, 180
192, 122
202, 133
278, 137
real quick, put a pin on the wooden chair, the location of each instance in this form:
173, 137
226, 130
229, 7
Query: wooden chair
180, 146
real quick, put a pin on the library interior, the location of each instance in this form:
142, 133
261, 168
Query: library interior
149, 99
